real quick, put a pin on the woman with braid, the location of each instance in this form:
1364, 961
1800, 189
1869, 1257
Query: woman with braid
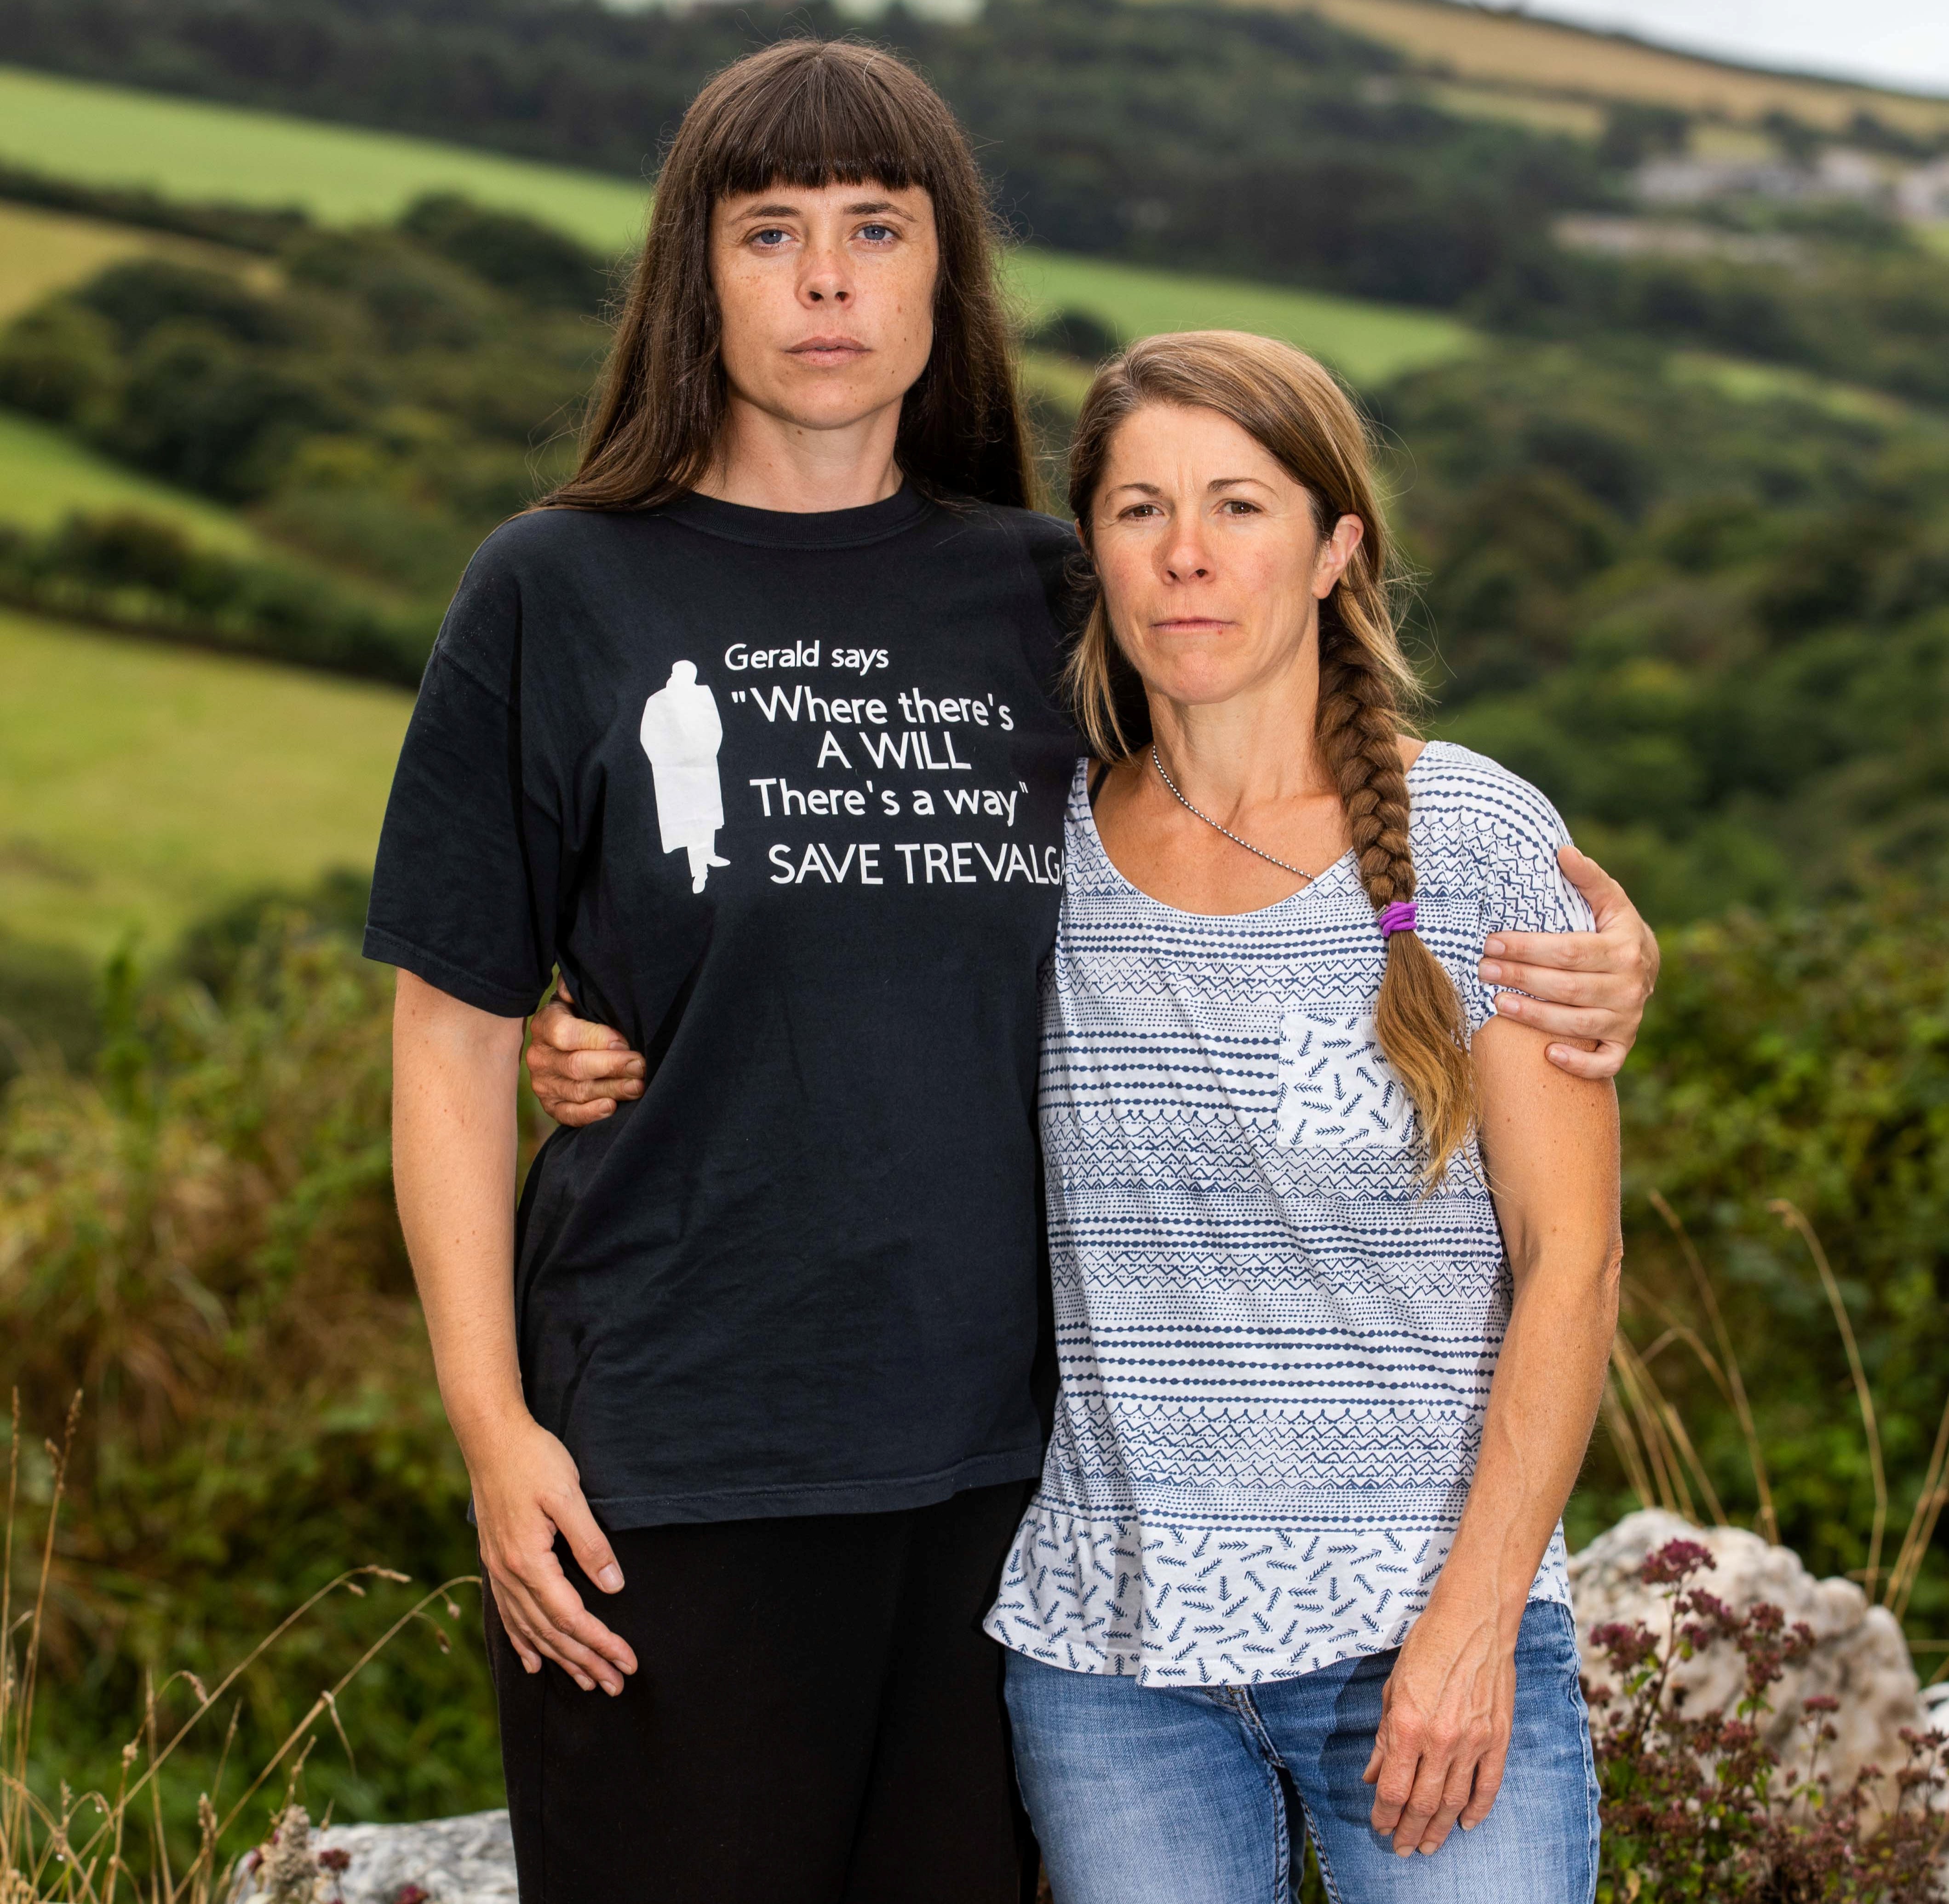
1334, 1246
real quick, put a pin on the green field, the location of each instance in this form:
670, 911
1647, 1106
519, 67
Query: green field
141, 785
1367, 342
1751, 382
44, 474
111, 135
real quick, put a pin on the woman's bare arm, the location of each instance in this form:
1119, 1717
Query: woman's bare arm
454, 1073
1549, 1143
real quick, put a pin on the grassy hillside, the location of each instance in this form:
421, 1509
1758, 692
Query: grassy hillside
108, 134
45, 474
1512, 50
114, 135
141, 786
41, 251
1366, 342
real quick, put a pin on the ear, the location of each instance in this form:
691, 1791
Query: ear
1335, 553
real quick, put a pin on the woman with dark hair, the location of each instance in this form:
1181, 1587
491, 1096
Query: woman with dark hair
751, 736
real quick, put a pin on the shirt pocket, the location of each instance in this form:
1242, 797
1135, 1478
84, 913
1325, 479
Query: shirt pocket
1336, 1090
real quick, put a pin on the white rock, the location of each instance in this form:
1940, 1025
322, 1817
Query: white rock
466, 1860
1860, 1656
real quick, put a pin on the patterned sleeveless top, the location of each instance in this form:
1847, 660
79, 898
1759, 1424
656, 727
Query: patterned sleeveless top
1275, 1352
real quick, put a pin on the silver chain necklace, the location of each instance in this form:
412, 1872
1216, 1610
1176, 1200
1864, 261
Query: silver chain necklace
1298, 871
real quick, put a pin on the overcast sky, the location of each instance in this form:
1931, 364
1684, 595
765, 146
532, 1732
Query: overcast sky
1902, 43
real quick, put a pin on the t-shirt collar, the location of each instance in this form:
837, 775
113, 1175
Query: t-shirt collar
785, 529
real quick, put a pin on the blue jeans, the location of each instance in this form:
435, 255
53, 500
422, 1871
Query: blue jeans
1198, 1795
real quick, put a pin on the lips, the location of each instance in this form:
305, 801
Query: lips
830, 349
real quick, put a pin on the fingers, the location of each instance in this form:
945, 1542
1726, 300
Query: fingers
616, 1062
587, 1540
1398, 1747
579, 1077
1424, 1801
576, 1115
545, 1612
1581, 1061
1582, 1022
532, 1628
516, 1630
1546, 952
1605, 897
1580, 986
1456, 1792
559, 1027
580, 1071
1488, 1782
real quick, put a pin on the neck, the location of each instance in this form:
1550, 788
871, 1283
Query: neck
1254, 747
765, 461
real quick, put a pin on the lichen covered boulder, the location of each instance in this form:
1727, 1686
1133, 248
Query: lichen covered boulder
465, 1860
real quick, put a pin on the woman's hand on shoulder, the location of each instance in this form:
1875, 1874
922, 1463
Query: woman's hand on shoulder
526, 1491
1588, 988
580, 1071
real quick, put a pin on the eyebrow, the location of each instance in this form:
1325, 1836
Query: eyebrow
1216, 483
859, 210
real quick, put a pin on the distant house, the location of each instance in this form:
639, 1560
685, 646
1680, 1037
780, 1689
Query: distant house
1838, 172
1923, 192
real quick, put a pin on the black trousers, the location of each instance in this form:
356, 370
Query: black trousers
815, 1718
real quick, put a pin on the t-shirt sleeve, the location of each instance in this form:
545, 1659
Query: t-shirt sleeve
460, 889
1524, 889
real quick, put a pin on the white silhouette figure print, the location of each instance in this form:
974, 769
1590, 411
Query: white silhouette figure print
681, 734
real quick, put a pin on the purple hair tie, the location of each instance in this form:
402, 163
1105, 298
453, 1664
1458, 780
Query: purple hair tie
1396, 916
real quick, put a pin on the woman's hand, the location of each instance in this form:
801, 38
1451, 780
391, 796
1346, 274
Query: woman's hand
579, 1071
1446, 1713
525, 1492
1590, 987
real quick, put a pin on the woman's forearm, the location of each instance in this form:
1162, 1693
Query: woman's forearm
454, 1074
1549, 1144
1543, 1402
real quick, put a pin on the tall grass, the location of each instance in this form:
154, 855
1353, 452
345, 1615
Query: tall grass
75, 1849
1661, 1461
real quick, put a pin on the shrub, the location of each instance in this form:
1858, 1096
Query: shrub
1692, 1804
125, 570
200, 1237
533, 261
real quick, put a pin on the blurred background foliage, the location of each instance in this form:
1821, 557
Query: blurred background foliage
1672, 472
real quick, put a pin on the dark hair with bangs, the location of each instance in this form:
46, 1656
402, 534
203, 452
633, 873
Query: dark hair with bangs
806, 113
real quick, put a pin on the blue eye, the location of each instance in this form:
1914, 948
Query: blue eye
874, 234
765, 238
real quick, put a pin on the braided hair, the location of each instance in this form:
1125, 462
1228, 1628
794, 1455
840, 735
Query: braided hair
1291, 405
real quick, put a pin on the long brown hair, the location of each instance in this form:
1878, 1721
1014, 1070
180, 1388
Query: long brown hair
1290, 404
807, 113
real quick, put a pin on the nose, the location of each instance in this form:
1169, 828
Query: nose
826, 279
1185, 558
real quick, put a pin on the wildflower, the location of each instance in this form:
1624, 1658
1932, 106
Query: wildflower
1675, 1563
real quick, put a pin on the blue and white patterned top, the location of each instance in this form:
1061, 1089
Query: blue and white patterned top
1275, 1352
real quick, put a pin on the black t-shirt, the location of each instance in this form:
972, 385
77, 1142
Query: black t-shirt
783, 796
